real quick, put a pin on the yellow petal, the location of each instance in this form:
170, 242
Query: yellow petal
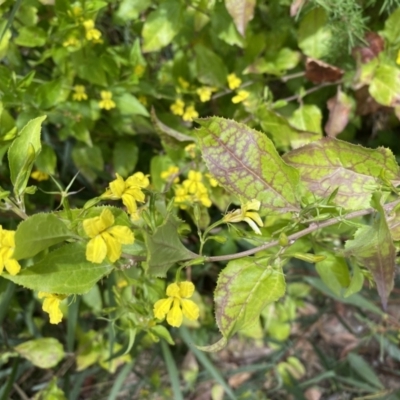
12, 266
253, 225
91, 227
122, 234
107, 218
190, 309
175, 316
117, 187
43, 294
173, 290
252, 205
96, 250
161, 307
138, 179
129, 203
186, 289
255, 217
113, 247
51, 305
8, 238
136, 193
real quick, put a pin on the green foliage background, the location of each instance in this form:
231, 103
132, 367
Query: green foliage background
147, 55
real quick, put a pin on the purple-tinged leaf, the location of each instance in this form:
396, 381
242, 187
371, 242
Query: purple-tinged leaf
356, 171
373, 248
243, 290
339, 108
246, 163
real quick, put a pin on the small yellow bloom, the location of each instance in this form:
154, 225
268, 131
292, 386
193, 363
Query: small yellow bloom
177, 108
143, 100
398, 58
202, 196
240, 96
212, 180
233, 81
184, 84
139, 70
106, 101
177, 305
7, 245
191, 150
190, 114
182, 197
77, 11
80, 93
193, 182
246, 213
106, 240
172, 170
51, 305
92, 33
130, 190
88, 24
39, 176
204, 93
70, 42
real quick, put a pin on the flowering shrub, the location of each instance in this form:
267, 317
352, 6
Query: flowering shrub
143, 143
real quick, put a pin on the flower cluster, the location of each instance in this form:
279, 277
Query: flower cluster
188, 114
129, 190
172, 171
192, 191
105, 239
92, 34
7, 245
106, 103
177, 305
51, 305
247, 214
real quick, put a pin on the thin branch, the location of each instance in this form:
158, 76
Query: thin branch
312, 228
312, 90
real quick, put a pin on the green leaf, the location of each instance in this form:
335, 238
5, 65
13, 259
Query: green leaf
51, 392
241, 11
46, 161
385, 85
244, 288
214, 348
276, 63
212, 76
246, 163
361, 367
125, 157
392, 29
313, 34
89, 160
307, 118
50, 93
162, 25
329, 164
373, 248
394, 224
63, 271
38, 233
129, 10
333, 271
165, 249
31, 36
128, 104
43, 352
283, 134
22, 153
357, 281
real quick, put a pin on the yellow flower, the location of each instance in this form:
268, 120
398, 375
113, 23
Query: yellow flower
7, 245
177, 305
241, 95
204, 93
247, 214
39, 176
181, 197
183, 83
202, 196
70, 42
51, 305
193, 182
191, 150
130, 190
143, 100
190, 114
177, 108
80, 93
139, 70
106, 240
398, 58
106, 101
91, 32
233, 81
77, 11
212, 180
172, 170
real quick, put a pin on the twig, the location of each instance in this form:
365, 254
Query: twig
309, 91
292, 238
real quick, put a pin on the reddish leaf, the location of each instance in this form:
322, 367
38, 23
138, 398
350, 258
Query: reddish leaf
242, 11
339, 108
296, 6
318, 71
376, 44
365, 102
